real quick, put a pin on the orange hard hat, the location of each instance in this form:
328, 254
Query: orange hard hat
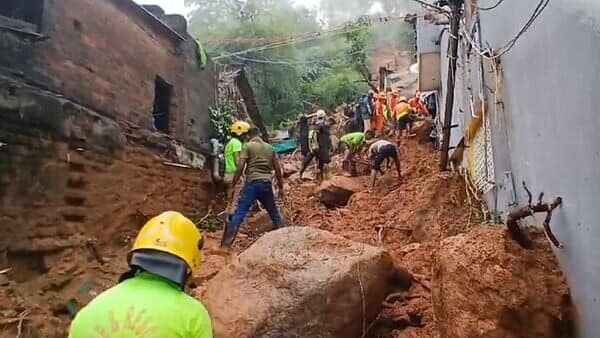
382, 96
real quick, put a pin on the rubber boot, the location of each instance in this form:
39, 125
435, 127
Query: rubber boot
229, 234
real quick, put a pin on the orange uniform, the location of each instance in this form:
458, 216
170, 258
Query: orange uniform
394, 100
378, 118
418, 106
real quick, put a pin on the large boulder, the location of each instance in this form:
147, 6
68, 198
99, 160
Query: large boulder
337, 191
299, 282
486, 285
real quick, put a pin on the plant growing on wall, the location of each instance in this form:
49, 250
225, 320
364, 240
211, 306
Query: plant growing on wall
221, 118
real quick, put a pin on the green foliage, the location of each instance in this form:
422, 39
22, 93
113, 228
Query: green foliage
337, 86
212, 223
221, 118
292, 78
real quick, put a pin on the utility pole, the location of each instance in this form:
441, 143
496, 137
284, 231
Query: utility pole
453, 53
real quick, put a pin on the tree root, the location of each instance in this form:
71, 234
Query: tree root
518, 234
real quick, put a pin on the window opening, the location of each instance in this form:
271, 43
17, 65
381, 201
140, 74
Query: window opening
162, 104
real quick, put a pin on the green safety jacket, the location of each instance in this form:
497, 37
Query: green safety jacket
145, 306
353, 140
233, 146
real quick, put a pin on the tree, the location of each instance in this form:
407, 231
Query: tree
209, 16
327, 71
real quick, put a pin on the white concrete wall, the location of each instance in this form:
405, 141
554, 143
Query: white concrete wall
548, 133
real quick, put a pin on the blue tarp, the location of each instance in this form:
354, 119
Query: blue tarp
285, 146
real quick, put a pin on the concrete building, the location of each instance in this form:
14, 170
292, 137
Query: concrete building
529, 115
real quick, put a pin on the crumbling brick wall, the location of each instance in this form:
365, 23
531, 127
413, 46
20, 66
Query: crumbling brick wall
64, 170
105, 54
75, 187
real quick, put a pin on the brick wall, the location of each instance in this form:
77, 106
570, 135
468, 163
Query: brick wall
104, 56
64, 170
200, 86
72, 180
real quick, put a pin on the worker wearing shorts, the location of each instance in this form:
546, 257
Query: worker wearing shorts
380, 151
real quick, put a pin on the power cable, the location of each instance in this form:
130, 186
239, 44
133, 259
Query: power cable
491, 7
542, 5
488, 53
306, 37
432, 6
294, 63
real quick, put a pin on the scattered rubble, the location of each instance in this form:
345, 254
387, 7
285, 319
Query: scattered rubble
411, 220
486, 285
337, 191
425, 223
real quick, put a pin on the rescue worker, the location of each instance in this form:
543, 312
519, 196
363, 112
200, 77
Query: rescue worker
379, 151
394, 100
352, 144
404, 117
303, 135
149, 300
365, 110
320, 146
233, 148
379, 118
417, 105
258, 160
371, 102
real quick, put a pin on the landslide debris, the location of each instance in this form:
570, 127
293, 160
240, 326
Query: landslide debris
299, 282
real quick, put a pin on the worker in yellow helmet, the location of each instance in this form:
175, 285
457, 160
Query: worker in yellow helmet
232, 151
404, 115
149, 300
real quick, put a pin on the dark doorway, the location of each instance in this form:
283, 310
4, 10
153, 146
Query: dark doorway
25, 10
162, 104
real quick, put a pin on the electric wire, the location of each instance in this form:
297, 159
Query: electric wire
312, 36
488, 53
491, 7
432, 6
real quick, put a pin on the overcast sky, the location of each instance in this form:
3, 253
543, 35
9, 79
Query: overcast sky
178, 7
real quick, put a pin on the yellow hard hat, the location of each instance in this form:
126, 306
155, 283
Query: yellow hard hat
175, 234
239, 128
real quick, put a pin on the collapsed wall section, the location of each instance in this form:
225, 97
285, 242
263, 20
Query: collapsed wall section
75, 187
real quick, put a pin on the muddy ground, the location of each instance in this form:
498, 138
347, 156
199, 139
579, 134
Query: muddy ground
410, 218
